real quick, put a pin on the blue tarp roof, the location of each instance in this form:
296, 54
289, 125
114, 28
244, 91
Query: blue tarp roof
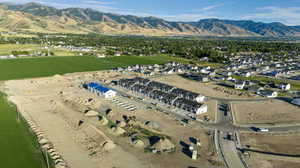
98, 87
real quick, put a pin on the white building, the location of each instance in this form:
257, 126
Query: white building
268, 93
247, 74
109, 94
285, 86
200, 98
203, 109
240, 85
100, 90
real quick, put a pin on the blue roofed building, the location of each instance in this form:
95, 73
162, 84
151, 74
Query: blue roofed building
100, 90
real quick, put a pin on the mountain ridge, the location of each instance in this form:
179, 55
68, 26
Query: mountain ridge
71, 20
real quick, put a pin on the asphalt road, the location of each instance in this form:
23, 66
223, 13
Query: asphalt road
230, 152
238, 100
225, 139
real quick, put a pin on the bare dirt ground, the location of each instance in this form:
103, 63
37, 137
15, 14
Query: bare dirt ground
57, 105
282, 143
206, 89
263, 161
266, 112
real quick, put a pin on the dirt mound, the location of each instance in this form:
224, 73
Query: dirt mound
121, 124
137, 143
103, 121
117, 131
92, 114
163, 145
109, 145
153, 125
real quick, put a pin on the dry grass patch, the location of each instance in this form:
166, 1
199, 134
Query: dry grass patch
283, 143
266, 112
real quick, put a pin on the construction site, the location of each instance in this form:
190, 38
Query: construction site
84, 122
128, 120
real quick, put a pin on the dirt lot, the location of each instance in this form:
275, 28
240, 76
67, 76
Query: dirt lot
57, 105
263, 161
266, 112
282, 143
206, 89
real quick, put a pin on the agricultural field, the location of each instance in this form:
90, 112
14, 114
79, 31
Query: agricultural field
47, 66
16, 142
6, 49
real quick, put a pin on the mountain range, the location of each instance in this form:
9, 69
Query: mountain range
35, 17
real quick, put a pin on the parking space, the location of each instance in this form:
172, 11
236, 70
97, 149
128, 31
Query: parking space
123, 104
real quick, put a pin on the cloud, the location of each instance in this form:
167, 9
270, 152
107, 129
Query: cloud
211, 7
204, 13
289, 15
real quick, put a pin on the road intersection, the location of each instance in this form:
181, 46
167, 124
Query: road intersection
226, 132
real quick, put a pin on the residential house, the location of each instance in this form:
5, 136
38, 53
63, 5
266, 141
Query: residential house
285, 86
240, 85
268, 93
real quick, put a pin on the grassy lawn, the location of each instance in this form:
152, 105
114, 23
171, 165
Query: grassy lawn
213, 65
48, 66
16, 142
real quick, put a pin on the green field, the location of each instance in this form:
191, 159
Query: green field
18, 147
48, 66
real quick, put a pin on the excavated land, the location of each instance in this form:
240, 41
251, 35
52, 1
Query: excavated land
90, 131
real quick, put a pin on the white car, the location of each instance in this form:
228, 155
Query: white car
263, 130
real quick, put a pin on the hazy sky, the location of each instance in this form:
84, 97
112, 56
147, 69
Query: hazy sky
285, 11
